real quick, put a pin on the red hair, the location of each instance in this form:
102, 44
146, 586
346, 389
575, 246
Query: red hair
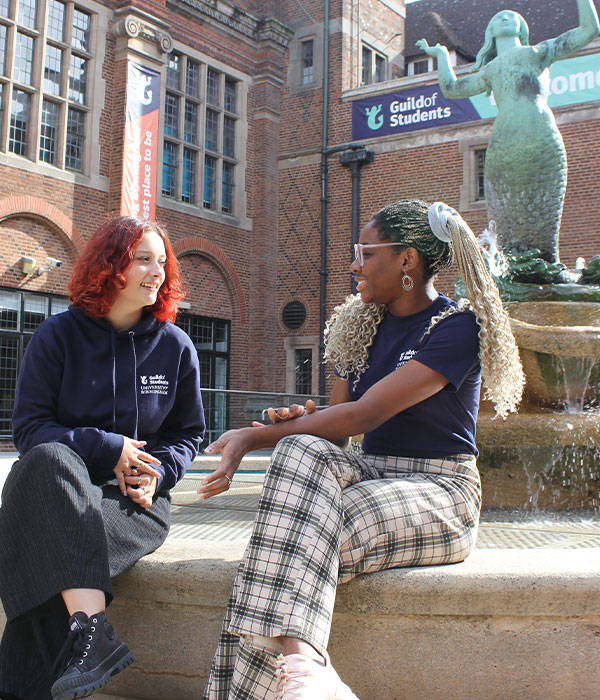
100, 269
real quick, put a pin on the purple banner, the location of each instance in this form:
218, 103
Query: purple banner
408, 110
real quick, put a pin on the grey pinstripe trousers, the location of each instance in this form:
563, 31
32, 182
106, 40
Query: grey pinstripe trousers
326, 515
58, 530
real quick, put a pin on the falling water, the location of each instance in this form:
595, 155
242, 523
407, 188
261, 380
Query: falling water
575, 373
494, 257
539, 478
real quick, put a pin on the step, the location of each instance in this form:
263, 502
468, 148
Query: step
504, 624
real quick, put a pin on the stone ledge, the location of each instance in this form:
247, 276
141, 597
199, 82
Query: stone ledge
505, 624
489, 582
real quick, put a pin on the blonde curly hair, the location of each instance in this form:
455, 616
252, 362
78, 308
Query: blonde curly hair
350, 331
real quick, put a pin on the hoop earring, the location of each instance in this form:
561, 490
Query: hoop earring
407, 282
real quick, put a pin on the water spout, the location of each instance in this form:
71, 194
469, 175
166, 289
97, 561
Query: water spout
575, 373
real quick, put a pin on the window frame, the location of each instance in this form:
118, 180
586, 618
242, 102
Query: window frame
214, 108
369, 69
292, 343
299, 376
469, 148
479, 156
429, 60
42, 90
22, 335
307, 78
215, 405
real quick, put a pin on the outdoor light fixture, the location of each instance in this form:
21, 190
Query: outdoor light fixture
30, 266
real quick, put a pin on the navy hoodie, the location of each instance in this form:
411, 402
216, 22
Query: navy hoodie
86, 385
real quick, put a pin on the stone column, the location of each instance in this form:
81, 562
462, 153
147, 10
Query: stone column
143, 38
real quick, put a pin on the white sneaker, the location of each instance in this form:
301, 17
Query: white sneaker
302, 678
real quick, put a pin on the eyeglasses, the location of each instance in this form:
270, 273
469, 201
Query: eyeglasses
359, 247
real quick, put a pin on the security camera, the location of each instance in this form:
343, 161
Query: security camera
53, 262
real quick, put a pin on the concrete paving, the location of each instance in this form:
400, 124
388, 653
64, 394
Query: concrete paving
229, 517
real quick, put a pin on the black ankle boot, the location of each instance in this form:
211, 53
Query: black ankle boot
91, 656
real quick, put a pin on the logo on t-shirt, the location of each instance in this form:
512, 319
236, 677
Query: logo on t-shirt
154, 384
405, 356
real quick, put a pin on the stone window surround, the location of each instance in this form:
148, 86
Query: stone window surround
468, 190
96, 89
379, 46
238, 218
315, 33
374, 52
300, 342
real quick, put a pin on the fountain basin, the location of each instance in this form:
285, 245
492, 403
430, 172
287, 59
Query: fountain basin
559, 344
540, 461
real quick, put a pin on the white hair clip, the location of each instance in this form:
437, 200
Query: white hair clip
438, 215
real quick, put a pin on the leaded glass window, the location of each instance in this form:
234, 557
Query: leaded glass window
55, 26
19, 122
200, 114
210, 173
212, 131
53, 70
23, 65
49, 69
20, 315
75, 134
48, 131
169, 181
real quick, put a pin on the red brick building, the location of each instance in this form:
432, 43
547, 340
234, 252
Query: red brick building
255, 119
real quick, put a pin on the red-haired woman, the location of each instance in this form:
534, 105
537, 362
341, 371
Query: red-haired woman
107, 418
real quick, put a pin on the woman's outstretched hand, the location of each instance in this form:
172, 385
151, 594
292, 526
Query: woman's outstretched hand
232, 445
133, 462
276, 415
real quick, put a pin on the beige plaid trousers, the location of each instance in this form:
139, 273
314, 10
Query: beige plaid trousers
326, 515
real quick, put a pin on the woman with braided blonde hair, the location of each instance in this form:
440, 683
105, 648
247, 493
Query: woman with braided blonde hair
408, 362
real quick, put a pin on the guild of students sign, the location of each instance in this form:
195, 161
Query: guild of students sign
572, 81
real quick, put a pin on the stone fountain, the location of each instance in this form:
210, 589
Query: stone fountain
546, 456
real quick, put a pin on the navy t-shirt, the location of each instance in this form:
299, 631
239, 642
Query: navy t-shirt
443, 424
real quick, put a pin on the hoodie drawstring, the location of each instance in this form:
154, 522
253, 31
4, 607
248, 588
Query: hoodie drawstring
135, 396
114, 380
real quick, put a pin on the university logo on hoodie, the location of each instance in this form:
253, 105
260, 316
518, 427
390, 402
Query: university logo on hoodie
154, 384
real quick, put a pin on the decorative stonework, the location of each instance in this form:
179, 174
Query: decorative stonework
242, 22
136, 27
274, 31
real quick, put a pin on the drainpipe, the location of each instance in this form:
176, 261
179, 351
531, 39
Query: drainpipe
323, 285
355, 161
325, 153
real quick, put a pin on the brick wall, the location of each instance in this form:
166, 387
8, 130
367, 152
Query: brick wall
248, 276
429, 167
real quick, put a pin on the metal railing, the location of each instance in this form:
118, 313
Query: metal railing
231, 408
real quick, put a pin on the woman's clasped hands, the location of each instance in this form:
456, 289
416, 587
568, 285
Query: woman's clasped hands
137, 478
